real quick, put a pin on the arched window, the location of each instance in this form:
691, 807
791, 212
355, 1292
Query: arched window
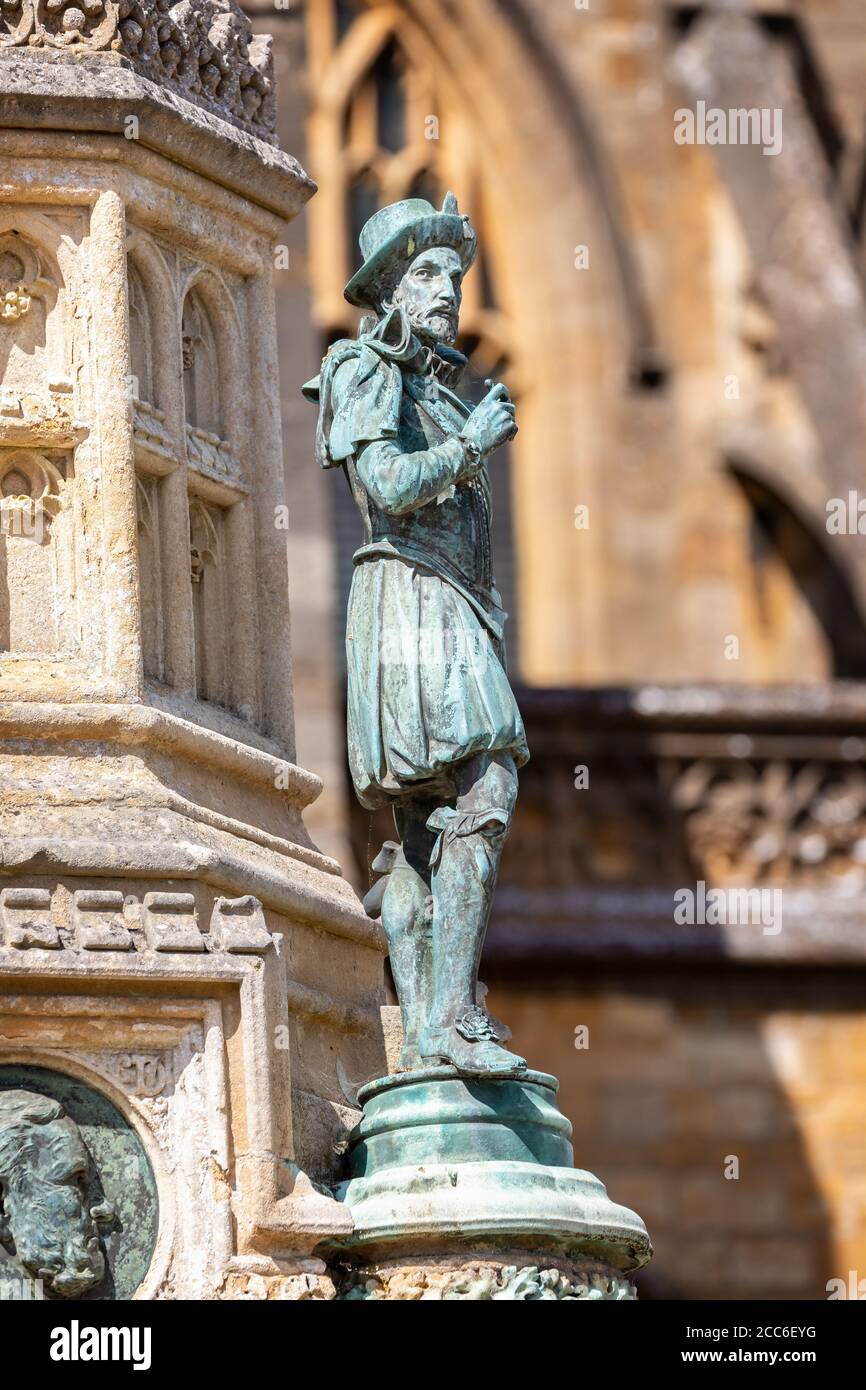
381, 135
200, 367
383, 132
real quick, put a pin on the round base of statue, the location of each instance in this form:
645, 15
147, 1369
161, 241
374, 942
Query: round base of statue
463, 1188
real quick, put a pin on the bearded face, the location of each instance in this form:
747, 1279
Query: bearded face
47, 1215
430, 292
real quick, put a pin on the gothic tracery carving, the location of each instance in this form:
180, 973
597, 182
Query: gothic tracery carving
30, 494
23, 278
210, 601
776, 821
201, 374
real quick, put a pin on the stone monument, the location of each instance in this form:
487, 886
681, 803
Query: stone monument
189, 990
461, 1184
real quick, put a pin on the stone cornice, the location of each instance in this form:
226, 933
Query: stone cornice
101, 93
131, 725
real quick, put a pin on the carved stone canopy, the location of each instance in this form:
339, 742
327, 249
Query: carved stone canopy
203, 50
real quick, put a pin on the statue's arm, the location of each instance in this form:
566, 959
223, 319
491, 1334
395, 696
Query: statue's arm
399, 483
365, 422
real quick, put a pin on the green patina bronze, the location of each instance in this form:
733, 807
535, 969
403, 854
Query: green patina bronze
418, 1117
433, 727
78, 1200
464, 1149
477, 1164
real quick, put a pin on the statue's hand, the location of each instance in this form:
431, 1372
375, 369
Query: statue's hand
492, 422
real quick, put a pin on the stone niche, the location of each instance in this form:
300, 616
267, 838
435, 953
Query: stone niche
37, 568
38, 352
30, 281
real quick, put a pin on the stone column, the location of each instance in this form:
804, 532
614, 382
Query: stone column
182, 974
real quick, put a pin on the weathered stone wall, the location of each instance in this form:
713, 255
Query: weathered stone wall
677, 1079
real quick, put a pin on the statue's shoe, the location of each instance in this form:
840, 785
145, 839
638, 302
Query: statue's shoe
472, 1057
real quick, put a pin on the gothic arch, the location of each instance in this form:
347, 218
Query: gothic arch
221, 374
140, 338
31, 282
45, 234
438, 39
211, 604
149, 277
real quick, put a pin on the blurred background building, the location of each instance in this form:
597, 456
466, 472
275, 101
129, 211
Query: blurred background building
684, 330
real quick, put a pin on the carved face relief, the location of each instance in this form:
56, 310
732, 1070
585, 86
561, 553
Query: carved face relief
431, 292
48, 1216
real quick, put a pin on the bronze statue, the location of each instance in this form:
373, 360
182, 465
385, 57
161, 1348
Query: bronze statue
433, 727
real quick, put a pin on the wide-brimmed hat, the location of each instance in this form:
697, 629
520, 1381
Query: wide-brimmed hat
399, 232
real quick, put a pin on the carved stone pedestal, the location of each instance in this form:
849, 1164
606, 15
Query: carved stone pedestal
464, 1189
490, 1276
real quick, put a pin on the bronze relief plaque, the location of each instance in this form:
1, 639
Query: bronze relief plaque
78, 1200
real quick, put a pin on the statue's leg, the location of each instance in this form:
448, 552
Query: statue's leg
465, 863
406, 919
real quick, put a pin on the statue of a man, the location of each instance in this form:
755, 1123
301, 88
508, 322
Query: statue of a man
433, 727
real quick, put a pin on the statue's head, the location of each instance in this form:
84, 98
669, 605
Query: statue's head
416, 258
49, 1200
430, 291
